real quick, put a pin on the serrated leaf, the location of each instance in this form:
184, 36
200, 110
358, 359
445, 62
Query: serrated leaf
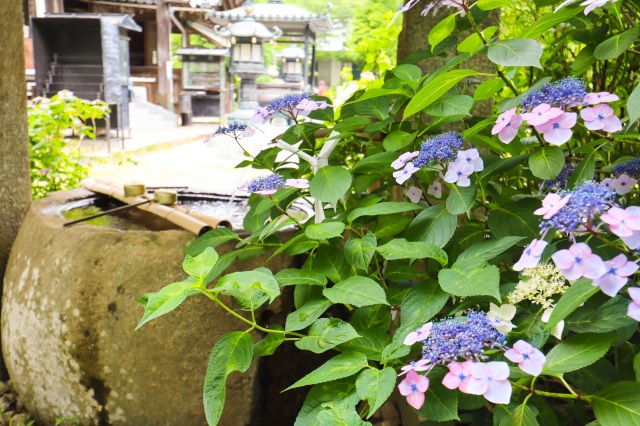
487, 250
331, 262
585, 169
344, 365
233, 352
300, 276
371, 343
389, 207
524, 415
461, 198
546, 162
375, 386
376, 163
249, 287
488, 89
307, 314
373, 318
441, 404
609, 316
576, 295
339, 392
324, 230
437, 87
397, 140
471, 277
434, 225
515, 219
407, 72
451, 105
441, 30
400, 248
199, 266
326, 334
330, 183
516, 52
212, 239
165, 300
358, 291
269, 344
473, 42
577, 352
618, 404
360, 251
549, 20
422, 303
616, 45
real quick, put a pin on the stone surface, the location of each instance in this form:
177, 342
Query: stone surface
15, 186
68, 320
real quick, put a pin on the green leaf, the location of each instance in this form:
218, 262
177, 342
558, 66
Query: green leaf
250, 288
524, 415
577, 352
213, 239
376, 107
340, 392
199, 267
493, 4
441, 31
339, 415
300, 276
501, 166
434, 89
451, 105
422, 303
487, 250
389, 226
165, 300
585, 169
360, 251
440, 403
471, 277
616, 45
618, 404
373, 318
549, 20
269, 344
376, 163
576, 295
233, 352
461, 199
515, 219
330, 183
633, 105
397, 140
375, 386
371, 343
400, 248
383, 208
331, 263
516, 52
324, 230
546, 162
434, 225
636, 366
488, 89
407, 72
357, 291
343, 365
326, 334
584, 60
473, 42
609, 316
221, 265
307, 314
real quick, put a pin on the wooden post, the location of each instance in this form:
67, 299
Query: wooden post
55, 6
163, 54
15, 185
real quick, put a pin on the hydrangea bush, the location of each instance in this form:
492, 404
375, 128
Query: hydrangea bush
485, 266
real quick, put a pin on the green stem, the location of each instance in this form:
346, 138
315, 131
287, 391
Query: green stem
566, 385
552, 394
284, 212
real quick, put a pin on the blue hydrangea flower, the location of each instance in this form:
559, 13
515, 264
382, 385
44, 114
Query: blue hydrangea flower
562, 180
454, 338
630, 167
587, 201
233, 129
439, 148
266, 184
562, 94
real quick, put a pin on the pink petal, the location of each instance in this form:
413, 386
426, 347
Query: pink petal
634, 293
507, 134
563, 259
523, 347
621, 230
537, 247
594, 125
593, 267
530, 366
581, 250
633, 242
589, 114
610, 284
514, 356
405, 387
416, 400
499, 370
477, 386
611, 124
464, 181
545, 127
297, 183
558, 136
604, 110
632, 222
499, 392
627, 269
451, 381
422, 383
567, 120
634, 311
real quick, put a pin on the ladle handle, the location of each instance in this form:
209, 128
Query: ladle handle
117, 209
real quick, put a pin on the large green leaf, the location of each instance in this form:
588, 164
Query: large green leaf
488, 89
585, 169
577, 352
546, 162
375, 386
422, 303
407, 72
357, 291
307, 314
434, 89
199, 266
549, 20
360, 251
440, 403
473, 42
330, 183
340, 415
300, 276
633, 105
213, 239
375, 107
248, 286
493, 4
344, 365
233, 352
471, 277
400, 248
165, 300
269, 344
326, 334
441, 31
524, 415
461, 198
324, 230
616, 45
434, 225
609, 316
516, 52
515, 219
376, 163
579, 292
383, 208
339, 392
374, 318
397, 140
371, 343
451, 105
618, 404
487, 250
331, 263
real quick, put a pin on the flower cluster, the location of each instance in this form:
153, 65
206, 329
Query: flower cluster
268, 185
630, 167
547, 110
562, 180
234, 130
538, 285
291, 106
459, 344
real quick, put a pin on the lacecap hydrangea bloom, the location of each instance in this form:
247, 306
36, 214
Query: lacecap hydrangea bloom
291, 106
268, 185
539, 285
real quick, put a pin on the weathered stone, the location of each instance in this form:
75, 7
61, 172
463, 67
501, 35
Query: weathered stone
68, 320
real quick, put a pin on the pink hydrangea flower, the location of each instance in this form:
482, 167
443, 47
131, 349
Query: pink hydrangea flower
490, 380
623, 184
578, 261
458, 172
551, 205
305, 106
414, 194
404, 159
413, 387
633, 242
634, 307
297, 183
435, 189
541, 114
618, 271
557, 130
507, 125
528, 358
403, 175
531, 255
419, 335
607, 184
592, 4
459, 376
599, 97
262, 115
621, 222
471, 156
601, 117
422, 365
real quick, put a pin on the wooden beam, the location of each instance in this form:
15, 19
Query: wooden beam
55, 6
163, 54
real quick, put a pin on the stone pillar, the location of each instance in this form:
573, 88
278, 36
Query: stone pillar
15, 185
163, 49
